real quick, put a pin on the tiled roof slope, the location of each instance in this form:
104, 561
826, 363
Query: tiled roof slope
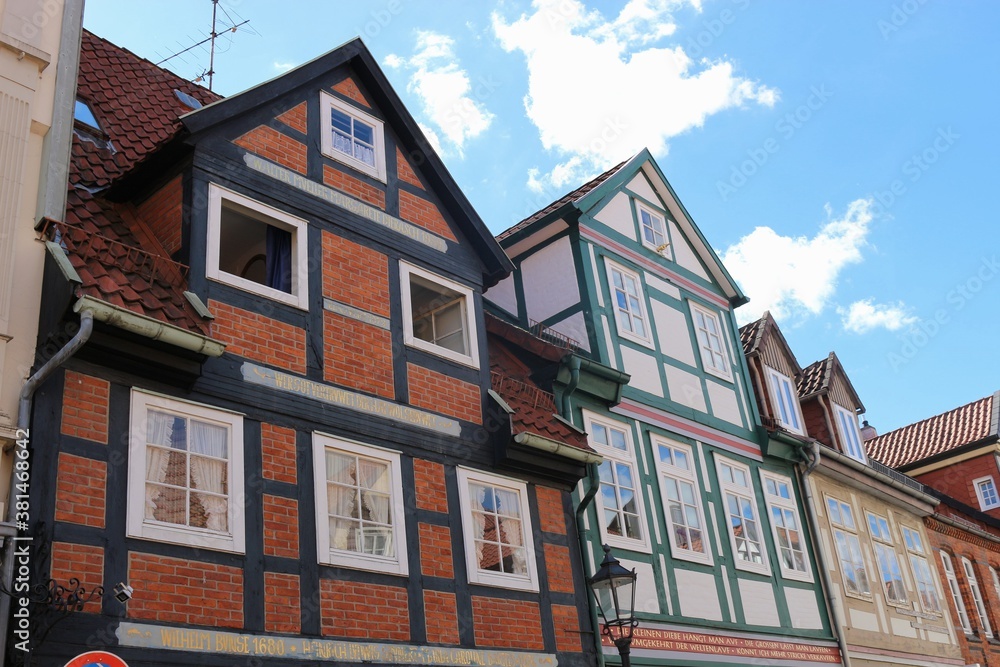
565, 199
135, 103
750, 335
814, 378
934, 435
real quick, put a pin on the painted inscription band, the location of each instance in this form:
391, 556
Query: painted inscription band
140, 635
356, 313
696, 642
269, 377
336, 198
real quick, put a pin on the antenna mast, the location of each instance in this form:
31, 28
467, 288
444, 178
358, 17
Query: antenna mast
210, 73
211, 56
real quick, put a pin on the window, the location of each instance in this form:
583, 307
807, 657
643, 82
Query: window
741, 509
682, 499
888, 562
926, 589
628, 302
497, 527
977, 597
713, 350
956, 593
621, 514
84, 114
359, 506
786, 400
847, 424
996, 580
852, 564
786, 526
986, 491
185, 476
256, 248
351, 136
438, 315
652, 228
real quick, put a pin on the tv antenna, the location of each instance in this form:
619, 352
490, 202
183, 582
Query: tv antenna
210, 72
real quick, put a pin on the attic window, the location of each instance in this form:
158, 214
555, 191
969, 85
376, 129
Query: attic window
83, 114
353, 137
187, 100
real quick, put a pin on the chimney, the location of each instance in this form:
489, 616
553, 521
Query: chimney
867, 431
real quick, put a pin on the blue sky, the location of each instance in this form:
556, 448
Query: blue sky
838, 155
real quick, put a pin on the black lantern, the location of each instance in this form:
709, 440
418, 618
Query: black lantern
614, 589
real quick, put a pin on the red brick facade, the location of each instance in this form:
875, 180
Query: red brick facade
281, 526
349, 89
405, 171
357, 355
162, 211
282, 609
435, 551
421, 212
507, 623
559, 568
551, 514
278, 453
442, 393
566, 622
815, 419
430, 488
355, 187
86, 563
295, 118
355, 275
85, 407
364, 610
441, 617
268, 143
179, 590
258, 337
957, 480
80, 490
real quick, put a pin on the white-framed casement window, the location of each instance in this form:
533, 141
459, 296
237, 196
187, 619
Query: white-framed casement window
926, 588
845, 536
652, 228
628, 301
438, 315
847, 424
359, 506
996, 580
620, 508
977, 597
710, 342
888, 561
351, 136
256, 247
682, 501
745, 534
185, 478
786, 400
499, 550
789, 538
956, 592
986, 492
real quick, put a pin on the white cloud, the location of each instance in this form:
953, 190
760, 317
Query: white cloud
283, 67
599, 90
863, 316
797, 276
444, 90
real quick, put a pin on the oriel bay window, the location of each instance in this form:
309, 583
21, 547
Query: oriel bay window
359, 506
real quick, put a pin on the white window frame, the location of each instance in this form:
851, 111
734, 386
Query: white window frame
854, 556
747, 493
886, 556
984, 501
327, 102
781, 387
297, 227
977, 597
995, 578
468, 316
527, 582
956, 592
654, 215
920, 567
708, 365
643, 315
627, 457
681, 475
326, 555
847, 426
149, 529
785, 505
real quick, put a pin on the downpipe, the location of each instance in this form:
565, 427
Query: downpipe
594, 483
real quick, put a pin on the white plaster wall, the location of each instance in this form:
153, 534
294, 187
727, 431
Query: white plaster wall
574, 326
685, 388
803, 608
672, 332
643, 369
684, 253
902, 628
724, 403
640, 186
646, 598
551, 274
864, 620
663, 286
759, 605
617, 214
698, 595
503, 295
939, 638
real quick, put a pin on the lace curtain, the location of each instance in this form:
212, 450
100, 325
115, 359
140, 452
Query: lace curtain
209, 475
341, 498
159, 431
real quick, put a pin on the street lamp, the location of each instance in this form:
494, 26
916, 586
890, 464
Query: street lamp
614, 589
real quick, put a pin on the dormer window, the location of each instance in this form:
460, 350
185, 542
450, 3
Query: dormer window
82, 113
353, 137
786, 404
847, 424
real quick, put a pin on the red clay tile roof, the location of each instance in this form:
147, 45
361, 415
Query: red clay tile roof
815, 377
565, 199
935, 435
750, 335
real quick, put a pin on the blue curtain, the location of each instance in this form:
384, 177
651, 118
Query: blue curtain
278, 259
